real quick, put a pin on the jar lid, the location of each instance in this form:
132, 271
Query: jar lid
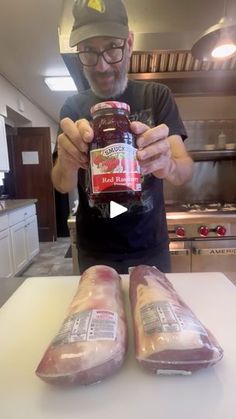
110, 105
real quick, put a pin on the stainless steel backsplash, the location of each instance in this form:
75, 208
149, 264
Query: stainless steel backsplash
212, 181
201, 133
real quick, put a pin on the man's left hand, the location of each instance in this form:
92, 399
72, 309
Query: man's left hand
154, 152
162, 155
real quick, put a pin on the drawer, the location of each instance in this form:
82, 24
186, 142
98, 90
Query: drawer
20, 214
4, 222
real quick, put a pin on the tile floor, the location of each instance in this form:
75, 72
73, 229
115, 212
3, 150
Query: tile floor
49, 262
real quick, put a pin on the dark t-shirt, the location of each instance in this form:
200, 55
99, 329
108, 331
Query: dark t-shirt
143, 227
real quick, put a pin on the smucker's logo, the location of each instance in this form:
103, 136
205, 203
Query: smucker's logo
97, 5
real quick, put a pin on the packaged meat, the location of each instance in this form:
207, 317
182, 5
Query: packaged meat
169, 339
92, 341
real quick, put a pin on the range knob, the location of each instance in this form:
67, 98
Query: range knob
220, 231
204, 231
180, 232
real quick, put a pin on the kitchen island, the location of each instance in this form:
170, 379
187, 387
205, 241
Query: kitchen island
33, 315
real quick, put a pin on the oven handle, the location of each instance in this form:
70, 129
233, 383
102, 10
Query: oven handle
223, 251
180, 252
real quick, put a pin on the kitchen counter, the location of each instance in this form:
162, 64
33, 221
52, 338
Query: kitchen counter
33, 315
213, 155
12, 204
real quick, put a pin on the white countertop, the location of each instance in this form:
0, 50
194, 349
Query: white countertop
32, 316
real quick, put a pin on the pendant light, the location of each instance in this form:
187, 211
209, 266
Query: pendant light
218, 41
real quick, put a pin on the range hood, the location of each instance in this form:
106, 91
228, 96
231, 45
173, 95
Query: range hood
159, 56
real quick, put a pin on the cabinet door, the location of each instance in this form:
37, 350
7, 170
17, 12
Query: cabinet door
19, 247
21, 214
4, 162
32, 238
6, 265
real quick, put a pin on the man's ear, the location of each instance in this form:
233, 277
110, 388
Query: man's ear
130, 43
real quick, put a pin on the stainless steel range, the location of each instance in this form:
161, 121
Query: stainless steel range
202, 237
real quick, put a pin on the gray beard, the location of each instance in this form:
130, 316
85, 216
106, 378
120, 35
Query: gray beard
119, 86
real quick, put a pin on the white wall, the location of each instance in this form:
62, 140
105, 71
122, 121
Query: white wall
11, 97
210, 107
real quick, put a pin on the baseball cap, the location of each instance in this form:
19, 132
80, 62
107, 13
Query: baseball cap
98, 18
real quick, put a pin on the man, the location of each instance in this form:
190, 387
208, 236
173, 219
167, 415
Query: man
139, 236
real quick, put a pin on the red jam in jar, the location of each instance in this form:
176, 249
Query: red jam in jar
114, 168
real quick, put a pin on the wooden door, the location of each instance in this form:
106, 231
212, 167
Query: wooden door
31, 165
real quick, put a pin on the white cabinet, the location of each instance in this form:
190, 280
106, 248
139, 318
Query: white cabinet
32, 239
19, 249
24, 236
4, 161
6, 265
19, 241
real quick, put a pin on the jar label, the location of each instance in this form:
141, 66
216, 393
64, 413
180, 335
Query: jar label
115, 168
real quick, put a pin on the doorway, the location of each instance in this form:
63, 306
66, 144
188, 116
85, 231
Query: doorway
30, 174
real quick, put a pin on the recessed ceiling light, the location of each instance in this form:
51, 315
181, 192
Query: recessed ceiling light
61, 84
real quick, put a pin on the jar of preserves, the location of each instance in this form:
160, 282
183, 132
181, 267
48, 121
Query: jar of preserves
114, 168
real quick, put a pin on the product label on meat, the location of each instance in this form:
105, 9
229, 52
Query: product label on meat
165, 317
115, 168
91, 325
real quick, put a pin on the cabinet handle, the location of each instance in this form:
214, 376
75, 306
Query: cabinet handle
180, 252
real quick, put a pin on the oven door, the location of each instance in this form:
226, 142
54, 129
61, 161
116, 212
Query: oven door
180, 253
214, 255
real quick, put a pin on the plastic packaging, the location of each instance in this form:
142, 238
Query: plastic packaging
92, 341
169, 339
114, 168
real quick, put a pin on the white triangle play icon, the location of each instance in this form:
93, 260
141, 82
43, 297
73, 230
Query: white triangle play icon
116, 209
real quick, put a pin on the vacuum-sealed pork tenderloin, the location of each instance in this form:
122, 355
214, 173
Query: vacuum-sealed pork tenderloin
92, 341
169, 338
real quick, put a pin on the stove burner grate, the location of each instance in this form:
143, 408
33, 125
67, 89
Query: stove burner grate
208, 207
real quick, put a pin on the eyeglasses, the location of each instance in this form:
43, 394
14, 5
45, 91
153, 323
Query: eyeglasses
112, 55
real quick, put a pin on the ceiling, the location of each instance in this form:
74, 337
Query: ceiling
29, 43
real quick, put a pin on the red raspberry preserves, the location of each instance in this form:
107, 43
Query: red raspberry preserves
114, 168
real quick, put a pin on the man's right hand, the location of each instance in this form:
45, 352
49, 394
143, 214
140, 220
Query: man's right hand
73, 144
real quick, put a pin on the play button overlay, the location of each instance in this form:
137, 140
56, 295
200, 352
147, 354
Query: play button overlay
116, 209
